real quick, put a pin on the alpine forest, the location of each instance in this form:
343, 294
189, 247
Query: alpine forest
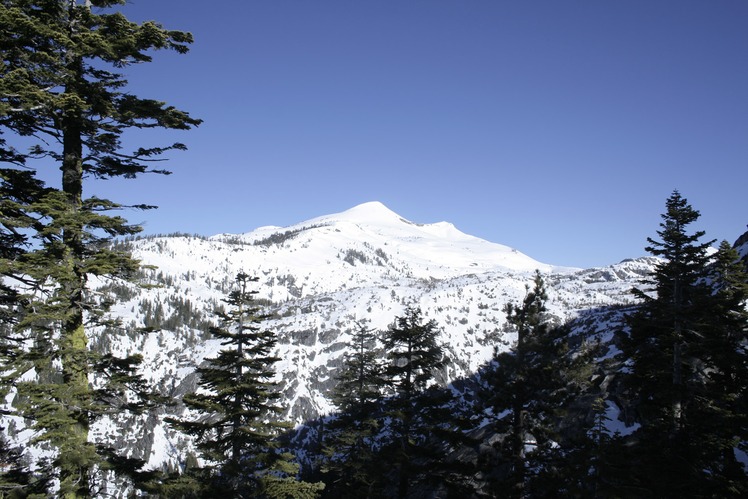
242, 374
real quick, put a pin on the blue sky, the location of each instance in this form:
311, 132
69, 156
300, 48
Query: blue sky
556, 127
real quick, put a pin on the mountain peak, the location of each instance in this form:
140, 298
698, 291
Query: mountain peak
432, 249
373, 211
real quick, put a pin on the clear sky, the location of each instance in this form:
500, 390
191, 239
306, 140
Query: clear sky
556, 127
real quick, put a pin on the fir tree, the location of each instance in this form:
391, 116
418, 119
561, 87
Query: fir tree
238, 404
680, 286
360, 380
687, 348
16, 481
720, 414
595, 463
663, 346
61, 94
349, 437
417, 416
281, 483
528, 387
17, 190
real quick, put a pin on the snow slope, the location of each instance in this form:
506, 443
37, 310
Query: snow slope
318, 278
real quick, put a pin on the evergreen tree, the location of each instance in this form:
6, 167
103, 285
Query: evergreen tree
414, 353
13, 476
18, 189
349, 437
680, 287
238, 405
61, 94
721, 413
360, 380
686, 346
281, 483
16, 481
418, 422
601, 440
527, 389
594, 463
663, 346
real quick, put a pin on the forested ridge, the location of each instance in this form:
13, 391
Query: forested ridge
657, 411
650, 401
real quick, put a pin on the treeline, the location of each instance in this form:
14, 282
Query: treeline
542, 419
664, 415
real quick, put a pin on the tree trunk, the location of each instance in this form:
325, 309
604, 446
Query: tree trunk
74, 459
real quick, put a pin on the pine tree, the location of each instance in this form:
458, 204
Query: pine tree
350, 462
238, 404
281, 482
680, 287
415, 358
595, 464
687, 365
528, 387
61, 94
360, 380
721, 413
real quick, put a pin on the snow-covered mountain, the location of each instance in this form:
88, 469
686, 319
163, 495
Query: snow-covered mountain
318, 278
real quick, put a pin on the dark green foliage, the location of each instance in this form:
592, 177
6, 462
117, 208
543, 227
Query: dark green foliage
719, 415
687, 346
350, 436
541, 427
64, 105
277, 238
413, 351
236, 433
281, 483
239, 394
16, 481
592, 460
183, 313
361, 379
415, 358
394, 446
353, 255
18, 189
528, 388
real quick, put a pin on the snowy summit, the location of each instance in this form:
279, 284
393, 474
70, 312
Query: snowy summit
436, 250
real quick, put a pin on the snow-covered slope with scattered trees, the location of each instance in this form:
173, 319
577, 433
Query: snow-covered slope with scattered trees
318, 279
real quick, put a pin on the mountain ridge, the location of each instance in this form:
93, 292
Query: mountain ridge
435, 243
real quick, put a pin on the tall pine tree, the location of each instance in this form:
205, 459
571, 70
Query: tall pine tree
721, 412
238, 406
62, 99
528, 388
686, 346
350, 463
360, 381
417, 415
